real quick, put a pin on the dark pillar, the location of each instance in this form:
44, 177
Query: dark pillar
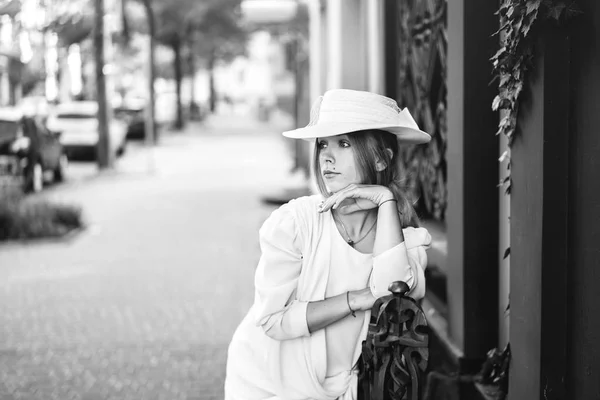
390, 45
539, 231
472, 215
583, 366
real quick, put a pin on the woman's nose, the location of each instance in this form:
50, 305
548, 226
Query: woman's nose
327, 155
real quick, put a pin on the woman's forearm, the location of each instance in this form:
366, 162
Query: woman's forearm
320, 314
389, 230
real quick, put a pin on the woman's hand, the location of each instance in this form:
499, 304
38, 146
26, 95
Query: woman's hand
360, 198
361, 300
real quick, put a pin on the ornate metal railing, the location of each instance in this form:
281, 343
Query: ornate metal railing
395, 353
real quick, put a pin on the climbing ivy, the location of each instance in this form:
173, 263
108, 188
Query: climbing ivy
513, 61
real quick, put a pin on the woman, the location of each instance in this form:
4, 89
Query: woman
327, 258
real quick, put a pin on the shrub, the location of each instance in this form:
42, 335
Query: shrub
23, 218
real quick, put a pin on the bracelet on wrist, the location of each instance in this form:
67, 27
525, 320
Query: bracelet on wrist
385, 201
348, 302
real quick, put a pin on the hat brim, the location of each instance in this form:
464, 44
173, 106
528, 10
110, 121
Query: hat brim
405, 134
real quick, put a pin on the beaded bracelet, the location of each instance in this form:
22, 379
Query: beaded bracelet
348, 302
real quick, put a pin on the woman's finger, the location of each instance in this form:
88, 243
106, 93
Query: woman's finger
325, 205
346, 194
354, 191
343, 195
329, 202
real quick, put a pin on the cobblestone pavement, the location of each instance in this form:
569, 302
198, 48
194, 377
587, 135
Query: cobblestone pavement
142, 304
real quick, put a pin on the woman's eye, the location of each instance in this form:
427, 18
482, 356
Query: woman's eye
344, 143
322, 145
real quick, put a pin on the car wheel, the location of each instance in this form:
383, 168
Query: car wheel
61, 169
35, 179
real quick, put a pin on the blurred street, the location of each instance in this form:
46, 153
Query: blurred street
142, 304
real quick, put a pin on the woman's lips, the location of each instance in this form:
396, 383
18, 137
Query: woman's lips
330, 174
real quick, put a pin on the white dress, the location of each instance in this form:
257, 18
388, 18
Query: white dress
272, 355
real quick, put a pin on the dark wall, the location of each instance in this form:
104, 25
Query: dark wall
584, 206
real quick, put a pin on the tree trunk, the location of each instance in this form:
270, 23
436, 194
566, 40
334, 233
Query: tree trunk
151, 132
104, 157
178, 78
211, 83
194, 110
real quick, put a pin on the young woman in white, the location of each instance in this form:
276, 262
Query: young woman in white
326, 258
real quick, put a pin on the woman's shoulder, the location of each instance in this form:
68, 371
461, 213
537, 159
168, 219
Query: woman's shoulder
292, 221
300, 212
415, 237
301, 209
305, 203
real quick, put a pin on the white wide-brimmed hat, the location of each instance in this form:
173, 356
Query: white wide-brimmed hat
341, 111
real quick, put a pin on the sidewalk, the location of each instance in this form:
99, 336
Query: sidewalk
143, 303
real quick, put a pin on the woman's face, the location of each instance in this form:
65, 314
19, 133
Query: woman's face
337, 162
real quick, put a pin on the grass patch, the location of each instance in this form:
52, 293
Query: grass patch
22, 218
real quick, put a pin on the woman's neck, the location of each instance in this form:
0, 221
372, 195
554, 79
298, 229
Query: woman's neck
356, 222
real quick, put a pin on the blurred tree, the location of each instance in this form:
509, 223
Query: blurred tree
208, 30
197, 32
218, 36
150, 124
172, 20
32, 78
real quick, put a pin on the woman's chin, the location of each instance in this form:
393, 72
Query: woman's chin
334, 188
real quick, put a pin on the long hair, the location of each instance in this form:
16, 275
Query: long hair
369, 147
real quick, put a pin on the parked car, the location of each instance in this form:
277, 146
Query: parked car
77, 124
28, 151
132, 114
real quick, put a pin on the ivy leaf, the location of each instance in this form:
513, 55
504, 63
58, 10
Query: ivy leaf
501, 51
496, 103
517, 24
504, 123
533, 5
517, 73
507, 59
510, 11
517, 89
502, 10
504, 79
